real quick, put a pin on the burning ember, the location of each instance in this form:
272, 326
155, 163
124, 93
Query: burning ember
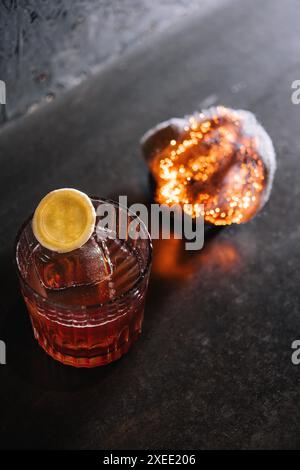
220, 158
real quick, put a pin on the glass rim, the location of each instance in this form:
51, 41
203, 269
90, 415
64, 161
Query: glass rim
81, 308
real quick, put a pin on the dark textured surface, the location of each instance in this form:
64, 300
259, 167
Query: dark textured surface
47, 47
213, 366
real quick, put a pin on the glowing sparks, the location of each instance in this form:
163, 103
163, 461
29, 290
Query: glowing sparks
215, 162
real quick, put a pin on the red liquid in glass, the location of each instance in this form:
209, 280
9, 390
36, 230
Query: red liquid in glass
70, 324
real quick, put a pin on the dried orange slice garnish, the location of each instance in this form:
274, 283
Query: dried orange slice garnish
64, 220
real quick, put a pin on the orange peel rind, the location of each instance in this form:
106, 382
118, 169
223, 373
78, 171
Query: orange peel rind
64, 220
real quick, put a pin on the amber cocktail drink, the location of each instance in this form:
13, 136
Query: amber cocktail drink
86, 306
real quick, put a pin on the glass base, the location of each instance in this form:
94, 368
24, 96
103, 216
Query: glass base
92, 360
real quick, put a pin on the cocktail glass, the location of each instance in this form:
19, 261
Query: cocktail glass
87, 306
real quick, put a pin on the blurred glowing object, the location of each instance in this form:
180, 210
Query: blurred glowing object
220, 157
